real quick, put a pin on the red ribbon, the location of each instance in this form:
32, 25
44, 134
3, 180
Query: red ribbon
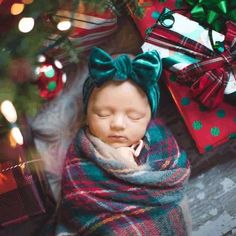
209, 77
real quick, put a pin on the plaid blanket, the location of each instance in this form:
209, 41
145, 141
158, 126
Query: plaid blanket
102, 196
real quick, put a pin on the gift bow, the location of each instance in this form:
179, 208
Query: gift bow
144, 70
208, 78
213, 12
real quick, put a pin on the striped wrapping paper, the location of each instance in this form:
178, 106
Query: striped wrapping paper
88, 30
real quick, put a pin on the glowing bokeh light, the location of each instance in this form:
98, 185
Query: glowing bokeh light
16, 134
17, 8
9, 111
64, 78
26, 24
58, 64
64, 25
37, 70
41, 58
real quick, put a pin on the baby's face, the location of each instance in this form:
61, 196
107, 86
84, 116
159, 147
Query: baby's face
118, 113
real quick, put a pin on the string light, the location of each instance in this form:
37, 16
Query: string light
17, 8
58, 64
41, 58
37, 70
26, 24
12, 140
16, 134
9, 111
64, 78
64, 25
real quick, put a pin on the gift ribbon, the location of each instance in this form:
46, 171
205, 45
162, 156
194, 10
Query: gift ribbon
213, 12
208, 77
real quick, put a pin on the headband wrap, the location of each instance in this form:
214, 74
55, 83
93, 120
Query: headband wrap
144, 70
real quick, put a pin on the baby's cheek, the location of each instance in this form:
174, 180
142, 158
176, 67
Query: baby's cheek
138, 131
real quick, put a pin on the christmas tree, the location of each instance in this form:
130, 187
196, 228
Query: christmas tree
32, 33
25, 29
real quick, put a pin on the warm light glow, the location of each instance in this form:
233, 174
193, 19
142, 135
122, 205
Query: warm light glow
64, 78
9, 111
41, 58
58, 64
22, 165
26, 24
64, 25
1, 1
17, 8
37, 70
16, 134
12, 141
27, 1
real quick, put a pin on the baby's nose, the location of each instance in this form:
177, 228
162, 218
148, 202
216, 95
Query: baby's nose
118, 122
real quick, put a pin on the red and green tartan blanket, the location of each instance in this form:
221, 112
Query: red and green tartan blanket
102, 196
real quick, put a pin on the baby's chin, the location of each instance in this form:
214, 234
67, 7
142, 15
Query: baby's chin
119, 145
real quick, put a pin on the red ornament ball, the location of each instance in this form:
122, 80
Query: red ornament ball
50, 78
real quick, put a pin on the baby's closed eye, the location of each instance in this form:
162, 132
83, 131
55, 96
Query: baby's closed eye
103, 113
135, 115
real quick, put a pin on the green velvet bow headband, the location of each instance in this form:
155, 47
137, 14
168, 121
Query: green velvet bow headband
144, 70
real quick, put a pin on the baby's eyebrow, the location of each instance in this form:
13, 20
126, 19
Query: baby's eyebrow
102, 108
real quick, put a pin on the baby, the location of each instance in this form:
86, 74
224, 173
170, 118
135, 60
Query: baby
124, 173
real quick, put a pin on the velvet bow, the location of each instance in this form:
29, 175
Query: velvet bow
144, 70
213, 12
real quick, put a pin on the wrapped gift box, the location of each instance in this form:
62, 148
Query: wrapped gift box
207, 128
186, 48
172, 57
152, 12
90, 27
21, 191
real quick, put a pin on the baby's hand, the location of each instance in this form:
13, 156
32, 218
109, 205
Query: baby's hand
129, 154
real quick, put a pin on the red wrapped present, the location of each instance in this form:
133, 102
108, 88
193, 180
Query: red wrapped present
20, 189
207, 128
187, 52
201, 61
152, 12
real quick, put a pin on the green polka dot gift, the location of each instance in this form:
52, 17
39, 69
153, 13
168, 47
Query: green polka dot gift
207, 128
